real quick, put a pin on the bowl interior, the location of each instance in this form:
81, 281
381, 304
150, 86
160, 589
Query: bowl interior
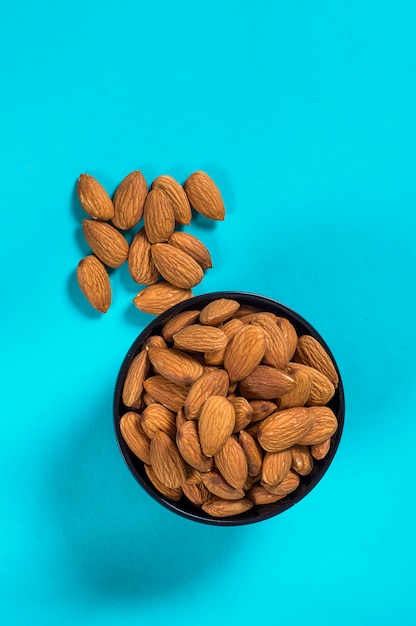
184, 507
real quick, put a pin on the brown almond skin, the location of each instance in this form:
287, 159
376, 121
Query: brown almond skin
262, 409
300, 393
193, 246
141, 266
196, 493
218, 311
320, 450
259, 495
218, 507
107, 243
276, 466
231, 462
197, 338
174, 494
133, 383
175, 365
302, 461
243, 412
94, 199
288, 485
179, 321
322, 389
94, 283
157, 298
176, 267
204, 195
157, 417
165, 391
177, 197
325, 424
283, 429
310, 352
229, 328
133, 434
128, 201
253, 453
189, 446
213, 383
159, 219
244, 352
215, 425
266, 383
217, 485
166, 461
275, 352
290, 335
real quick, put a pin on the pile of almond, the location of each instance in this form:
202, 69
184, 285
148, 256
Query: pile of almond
169, 262
226, 407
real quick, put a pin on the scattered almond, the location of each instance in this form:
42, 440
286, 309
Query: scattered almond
94, 283
204, 196
129, 200
175, 266
177, 197
107, 243
94, 199
193, 246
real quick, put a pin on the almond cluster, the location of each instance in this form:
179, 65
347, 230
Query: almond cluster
168, 261
226, 407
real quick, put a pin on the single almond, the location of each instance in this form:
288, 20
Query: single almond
288, 485
94, 283
275, 352
322, 389
128, 201
193, 246
133, 383
107, 243
262, 409
290, 335
168, 393
94, 199
196, 493
154, 341
174, 494
275, 467
300, 393
218, 507
253, 453
243, 412
157, 298
266, 382
213, 383
159, 219
141, 266
177, 197
283, 429
166, 461
157, 417
325, 424
177, 322
198, 338
244, 352
320, 450
180, 418
133, 434
215, 424
217, 485
218, 311
204, 196
175, 365
189, 446
231, 462
259, 495
302, 461
175, 266
310, 352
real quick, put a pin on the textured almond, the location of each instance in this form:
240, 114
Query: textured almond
196, 493
157, 298
107, 243
204, 196
180, 419
262, 409
157, 417
174, 494
218, 507
141, 266
320, 450
218, 311
166, 461
154, 341
300, 393
290, 335
175, 266
177, 322
302, 461
159, 219
128, 200
283, 429
275, 467
245, 310
243, 412
168, 393
252, 451
244, 352
322, 390
213, 383
175, 365
193, 246
310, 352
275, 352
231, 462
177, 197
133, 383
187, 440
94, 199
288, 485
266, 382
216, 484
216, 357
197, 338
94, 283
325, 425
215, 424
133, 434
259, 495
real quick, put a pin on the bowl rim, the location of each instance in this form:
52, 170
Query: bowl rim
263, 512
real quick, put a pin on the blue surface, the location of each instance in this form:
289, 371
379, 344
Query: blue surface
304, 114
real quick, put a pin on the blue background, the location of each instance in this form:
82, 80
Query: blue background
304, 114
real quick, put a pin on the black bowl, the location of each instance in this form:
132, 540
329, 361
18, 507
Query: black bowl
184, 507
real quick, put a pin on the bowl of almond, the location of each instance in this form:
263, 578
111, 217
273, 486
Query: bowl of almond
228, 408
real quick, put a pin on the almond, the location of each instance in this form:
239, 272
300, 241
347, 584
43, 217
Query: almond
167, 463
243, 412
106, 242
275, 352
154, 341
180, 419
133, 383
168, 393
231, 462
159, 219
259, 495
157, 298
216, 357
177, 322
175, 365
276, 466
310, 352
320, 450
94, 283
325, 425
266, 382
302, 461
218, 507
141, 266
244, 352
197, 338
322, 390
253, 453
129, 200
175, 266
174, 494
193, 246
218, 311
94, 199
204, 196
213, 383
157, 417
189, 446
133, 434
216, 484
288, 485
290, 335
300, 393
196, 493
283, 429
262, 409
216, 424
177, 197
